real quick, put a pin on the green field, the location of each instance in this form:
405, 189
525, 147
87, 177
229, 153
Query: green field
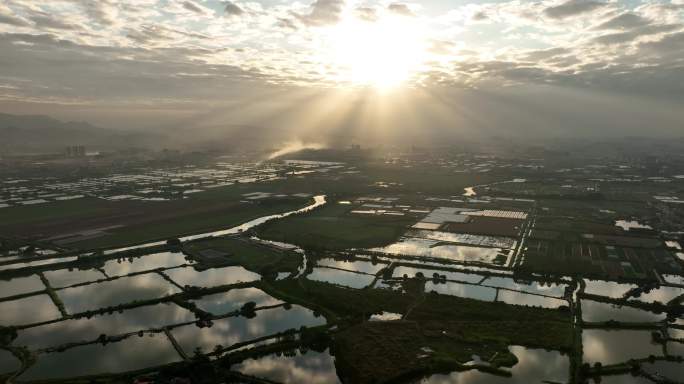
332, 227
190, 224
253, 256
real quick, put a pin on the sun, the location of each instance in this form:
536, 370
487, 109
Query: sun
383, 54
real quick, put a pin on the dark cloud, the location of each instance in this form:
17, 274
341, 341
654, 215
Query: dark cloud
401, 9
546, 54
480, 16
572, 8
12, 20
624, 21
150, 34
631, 35
101, 11
44, 20
232, 9
193, 7
323, 12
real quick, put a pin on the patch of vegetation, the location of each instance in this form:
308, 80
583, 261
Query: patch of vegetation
439, 333
333, 227
250, 255
191, 223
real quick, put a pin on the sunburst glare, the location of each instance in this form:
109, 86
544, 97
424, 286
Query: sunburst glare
383, 54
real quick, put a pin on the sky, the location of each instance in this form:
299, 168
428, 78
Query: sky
448, 67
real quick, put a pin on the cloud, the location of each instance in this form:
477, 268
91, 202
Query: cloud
572, 8
232, 9
633, 34
44, 20
624, 21
323, 12
7, 17
367, 14
401, 9
194, 7
103, 12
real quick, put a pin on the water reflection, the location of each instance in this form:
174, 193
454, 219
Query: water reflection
83, 329
130, 354
614, 347
623, 379
233, 330
20, 285
607, 288
462, 290
597, 312
8, 363
344, 278
144, 263
226, 302
534, 366
517, 298
318, 201
29, 310
311, 368
114, 292
358, 265
548, 289
211, 277
65, 277
670, 369
457, 276
431, 248
662, 294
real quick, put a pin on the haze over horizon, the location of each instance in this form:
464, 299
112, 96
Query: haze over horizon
374, 71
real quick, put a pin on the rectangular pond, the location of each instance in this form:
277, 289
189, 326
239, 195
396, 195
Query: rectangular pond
118, 267
114, 292
226, 302
130, 354
340, 277
83, 329
229, 331
211, 277
28, 310
20, 285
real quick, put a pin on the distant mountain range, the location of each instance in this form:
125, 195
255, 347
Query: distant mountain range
38, 133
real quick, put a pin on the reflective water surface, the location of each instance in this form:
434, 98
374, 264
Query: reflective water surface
31, 309
598, 312
339, 277
617, 346
20, 285
8, 363
84, 329
310, 367
462, 290
233, 330
211, 277
359, 266
114, 292
226, 302
65, 277
456, 276
137, 264
534, 366
130, 354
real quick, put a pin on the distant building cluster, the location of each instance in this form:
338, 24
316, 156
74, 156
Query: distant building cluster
75, 151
